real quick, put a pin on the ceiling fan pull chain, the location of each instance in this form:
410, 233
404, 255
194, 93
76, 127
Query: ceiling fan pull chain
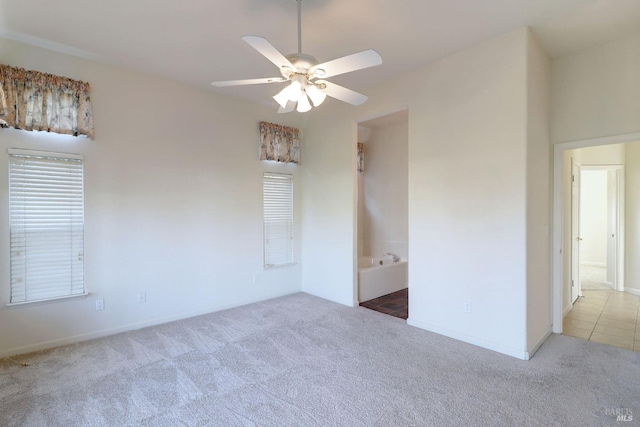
299, 25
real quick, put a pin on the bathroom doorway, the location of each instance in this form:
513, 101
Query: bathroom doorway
382, 214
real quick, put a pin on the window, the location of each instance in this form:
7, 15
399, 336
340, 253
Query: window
46, 198
277, 190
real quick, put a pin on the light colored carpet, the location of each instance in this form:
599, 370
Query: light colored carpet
593, 278
303, 361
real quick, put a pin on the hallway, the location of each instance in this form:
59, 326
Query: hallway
606, 317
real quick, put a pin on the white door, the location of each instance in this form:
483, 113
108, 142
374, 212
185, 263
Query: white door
616, 227
575, 232
612, 225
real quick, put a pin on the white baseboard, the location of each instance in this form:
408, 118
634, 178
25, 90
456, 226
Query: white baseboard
471, 340
45, 345
539, 343
632, 291
566, 310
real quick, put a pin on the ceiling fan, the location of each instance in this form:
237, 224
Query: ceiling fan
303, 71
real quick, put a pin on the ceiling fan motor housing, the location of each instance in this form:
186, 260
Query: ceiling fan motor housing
302, 62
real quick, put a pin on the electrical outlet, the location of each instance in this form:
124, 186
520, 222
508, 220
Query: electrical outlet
99, 304
256, 278
142, 297
467, 307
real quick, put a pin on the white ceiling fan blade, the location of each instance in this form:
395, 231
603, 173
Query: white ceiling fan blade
291, 105
268, 51
346, 64
249, 81
342, 93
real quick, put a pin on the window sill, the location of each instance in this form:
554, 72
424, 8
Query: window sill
40, 301
271, 267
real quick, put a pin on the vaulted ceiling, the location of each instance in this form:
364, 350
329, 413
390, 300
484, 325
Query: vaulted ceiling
198, 41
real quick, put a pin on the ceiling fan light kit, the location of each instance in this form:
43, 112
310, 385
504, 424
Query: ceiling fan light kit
300, 70
303, 104
316, 94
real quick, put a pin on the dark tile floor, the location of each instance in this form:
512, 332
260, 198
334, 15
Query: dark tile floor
395, 304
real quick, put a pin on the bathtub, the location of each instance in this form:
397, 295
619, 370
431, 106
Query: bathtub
380, 276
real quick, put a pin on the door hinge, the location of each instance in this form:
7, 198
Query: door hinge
573, 178
572, 284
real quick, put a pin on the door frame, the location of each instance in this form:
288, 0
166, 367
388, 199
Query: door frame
557, 213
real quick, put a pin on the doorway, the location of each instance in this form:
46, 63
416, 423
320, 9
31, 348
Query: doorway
601, 223
608, 314
382, 213
597, 227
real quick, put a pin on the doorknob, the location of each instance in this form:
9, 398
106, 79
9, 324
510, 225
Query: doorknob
578, 239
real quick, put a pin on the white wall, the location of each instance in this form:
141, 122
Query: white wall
329, 179
593, 217
538, 195
603, 155
632, 217
173, 189
467, 189
468, 214
595, 92
360, 215
363, 137
385, 188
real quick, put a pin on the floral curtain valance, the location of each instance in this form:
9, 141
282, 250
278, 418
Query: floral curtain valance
279, 143
361, 157
32, 100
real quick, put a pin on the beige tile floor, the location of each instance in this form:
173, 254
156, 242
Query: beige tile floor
606, 317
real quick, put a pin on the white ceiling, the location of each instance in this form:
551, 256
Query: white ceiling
198, 41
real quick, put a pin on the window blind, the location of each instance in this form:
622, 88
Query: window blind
46, 209
278, 219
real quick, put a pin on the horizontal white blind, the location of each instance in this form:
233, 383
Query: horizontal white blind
46, 198
277, 192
